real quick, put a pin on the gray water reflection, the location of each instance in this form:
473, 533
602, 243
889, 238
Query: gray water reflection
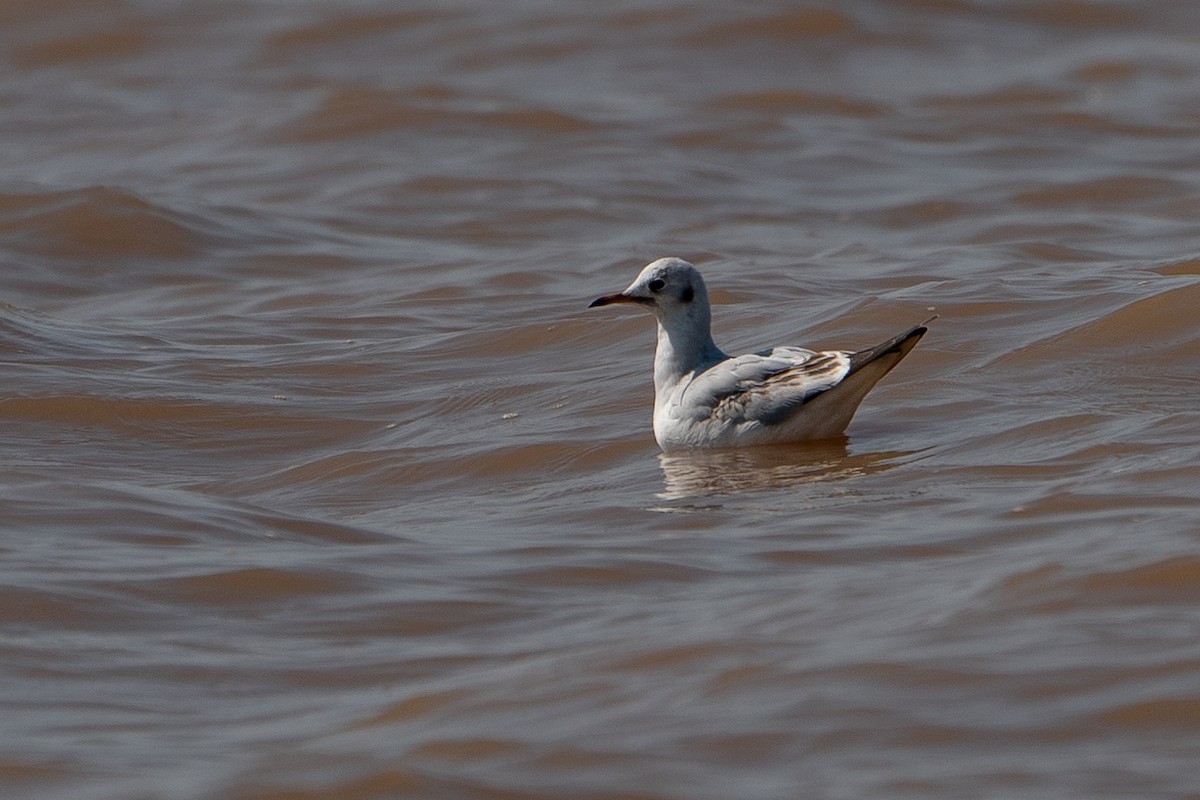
710, 473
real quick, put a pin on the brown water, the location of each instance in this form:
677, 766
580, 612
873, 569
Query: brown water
319, 481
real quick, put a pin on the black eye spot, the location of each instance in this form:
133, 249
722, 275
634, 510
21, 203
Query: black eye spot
687, 294
656, 285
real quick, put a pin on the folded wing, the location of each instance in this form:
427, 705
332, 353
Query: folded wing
766, 387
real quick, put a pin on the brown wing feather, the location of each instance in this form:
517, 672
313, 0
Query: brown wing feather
820, 366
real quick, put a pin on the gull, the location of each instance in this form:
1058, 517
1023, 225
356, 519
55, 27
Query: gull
706, 398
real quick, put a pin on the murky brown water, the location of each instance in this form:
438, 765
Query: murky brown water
318, 480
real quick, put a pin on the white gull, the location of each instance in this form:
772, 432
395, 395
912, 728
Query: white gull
705, 398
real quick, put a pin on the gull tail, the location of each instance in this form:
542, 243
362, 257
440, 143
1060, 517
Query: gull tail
835, 406
897, 347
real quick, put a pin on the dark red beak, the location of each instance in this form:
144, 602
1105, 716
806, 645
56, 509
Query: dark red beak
617, 297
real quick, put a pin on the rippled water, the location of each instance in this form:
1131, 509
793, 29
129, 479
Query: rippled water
318, 479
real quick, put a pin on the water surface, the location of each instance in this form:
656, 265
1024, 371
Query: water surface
317, 479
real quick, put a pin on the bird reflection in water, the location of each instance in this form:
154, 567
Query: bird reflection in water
705, 473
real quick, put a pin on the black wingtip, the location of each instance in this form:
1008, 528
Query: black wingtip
897, 344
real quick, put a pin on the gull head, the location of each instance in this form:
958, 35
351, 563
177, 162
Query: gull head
670, 287
673, 289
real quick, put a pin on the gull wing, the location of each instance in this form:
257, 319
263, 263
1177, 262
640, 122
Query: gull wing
766, 387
